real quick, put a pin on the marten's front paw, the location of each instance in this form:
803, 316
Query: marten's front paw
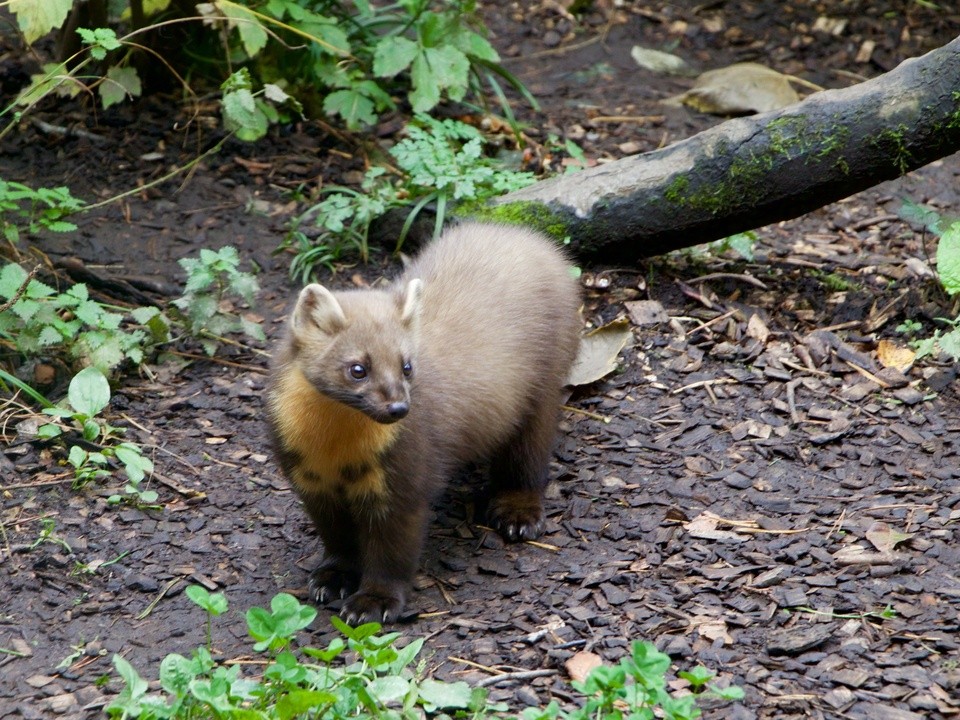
517, 515
331, 582
381, 606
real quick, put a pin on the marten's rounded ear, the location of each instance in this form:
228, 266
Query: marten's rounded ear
410, 301
318, 308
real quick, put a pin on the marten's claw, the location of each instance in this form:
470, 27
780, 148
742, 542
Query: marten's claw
516, 515
328, 582
364, 607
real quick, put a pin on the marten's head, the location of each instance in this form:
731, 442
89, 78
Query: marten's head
359, 347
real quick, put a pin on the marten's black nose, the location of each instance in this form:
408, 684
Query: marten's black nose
397, 410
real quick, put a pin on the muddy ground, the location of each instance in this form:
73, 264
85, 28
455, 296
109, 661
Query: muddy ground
751, 490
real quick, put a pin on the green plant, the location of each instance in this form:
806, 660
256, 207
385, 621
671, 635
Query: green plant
363, 674
87, 396
636, 688
948, 271
213, 280
41, 320
909, 327
43, 208
442, 162
346, 59
215, 605
48, 534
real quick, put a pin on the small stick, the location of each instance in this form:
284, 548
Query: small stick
20, 290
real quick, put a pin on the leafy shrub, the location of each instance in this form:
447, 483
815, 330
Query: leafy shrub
212, 279
369, 676
442, 162
948, 271
346, 59
89, 332
44, 208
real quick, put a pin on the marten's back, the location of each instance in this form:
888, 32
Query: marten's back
498, 330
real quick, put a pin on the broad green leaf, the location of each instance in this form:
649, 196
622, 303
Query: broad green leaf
135, 464
435, 694
38, 17
950, 343
176, 672
451, 69
300, 702
143, 315
389, 688
252, 35
948, 259
393, 55
11, 278
55, 78
119, 84
426, 88
89, 392
332, 39
128, 701
355, 108
921, 216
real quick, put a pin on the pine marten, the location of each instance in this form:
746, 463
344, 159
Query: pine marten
378, 395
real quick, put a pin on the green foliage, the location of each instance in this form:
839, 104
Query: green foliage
442, 162
213, 281
363, 674
43, 321
87, 397
41, 209
948, 270
348, 59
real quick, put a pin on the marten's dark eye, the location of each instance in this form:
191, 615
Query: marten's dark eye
358, 371
407, 369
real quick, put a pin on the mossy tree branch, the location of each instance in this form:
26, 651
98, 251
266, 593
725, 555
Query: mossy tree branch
748, 172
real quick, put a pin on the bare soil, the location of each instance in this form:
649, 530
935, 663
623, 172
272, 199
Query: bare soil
752, 490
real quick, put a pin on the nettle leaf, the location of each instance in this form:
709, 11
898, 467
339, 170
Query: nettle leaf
119, 84
89, 392
36, 19
143, 315
354, 107
252, 329
11, 278
393, 55
949, 342
948, 259
90, 312
49, 336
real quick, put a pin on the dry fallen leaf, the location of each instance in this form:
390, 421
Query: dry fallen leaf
738, 90
598, 352
884, 538
704, 526
892, 355
580, 665
757, 328
660, 62
646, 312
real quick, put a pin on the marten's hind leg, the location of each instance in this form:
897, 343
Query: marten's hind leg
519, 474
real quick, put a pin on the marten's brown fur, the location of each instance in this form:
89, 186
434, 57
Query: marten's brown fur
377, 396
